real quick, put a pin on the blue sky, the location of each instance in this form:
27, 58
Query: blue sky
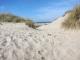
37, 10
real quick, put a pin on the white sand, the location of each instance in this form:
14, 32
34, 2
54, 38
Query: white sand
19, 42
49, 42
66, 42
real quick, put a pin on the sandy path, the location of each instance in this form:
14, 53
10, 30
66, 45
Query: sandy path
19, 42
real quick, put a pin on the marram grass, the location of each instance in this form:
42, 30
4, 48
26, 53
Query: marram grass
16, 19
73, 20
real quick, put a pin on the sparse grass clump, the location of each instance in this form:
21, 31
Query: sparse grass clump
73, 21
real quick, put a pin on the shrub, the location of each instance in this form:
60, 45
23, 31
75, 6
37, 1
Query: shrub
73, 21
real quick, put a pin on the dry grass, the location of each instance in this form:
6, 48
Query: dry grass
73, 21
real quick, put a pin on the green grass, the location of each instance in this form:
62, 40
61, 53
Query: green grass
73, 21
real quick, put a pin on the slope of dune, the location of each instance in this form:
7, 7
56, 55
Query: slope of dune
66, 42
55, 24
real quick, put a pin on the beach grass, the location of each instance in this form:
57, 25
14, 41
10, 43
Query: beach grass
73, 20
16, 19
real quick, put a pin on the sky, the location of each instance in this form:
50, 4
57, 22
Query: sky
37, 10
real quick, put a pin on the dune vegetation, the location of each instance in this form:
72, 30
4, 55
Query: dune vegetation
16, 19
73, 20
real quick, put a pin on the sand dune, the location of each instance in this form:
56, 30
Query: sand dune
66, 42
48, 42
55, 24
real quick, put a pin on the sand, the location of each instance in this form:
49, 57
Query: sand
20, 42
48, 42
66, 42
